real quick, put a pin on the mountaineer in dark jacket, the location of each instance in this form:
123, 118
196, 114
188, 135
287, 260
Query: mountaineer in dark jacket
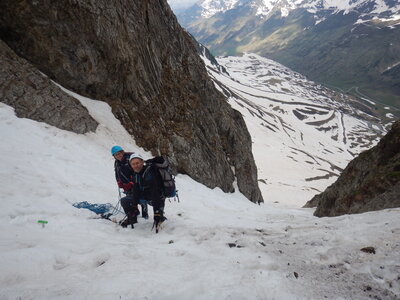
148, 185
121, 167
123, 177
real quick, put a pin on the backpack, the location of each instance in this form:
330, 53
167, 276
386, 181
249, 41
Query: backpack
168, 179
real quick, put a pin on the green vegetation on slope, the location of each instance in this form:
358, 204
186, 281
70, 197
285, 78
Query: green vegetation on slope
335, 52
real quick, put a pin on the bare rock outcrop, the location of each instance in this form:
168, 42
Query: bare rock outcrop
34, 96
370, 182
135, 56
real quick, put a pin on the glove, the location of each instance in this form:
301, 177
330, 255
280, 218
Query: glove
126, 186
155, 160
120, 184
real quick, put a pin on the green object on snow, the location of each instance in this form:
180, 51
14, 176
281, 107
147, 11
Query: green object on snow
43, 222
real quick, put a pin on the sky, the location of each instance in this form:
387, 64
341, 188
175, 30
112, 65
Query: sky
181, 3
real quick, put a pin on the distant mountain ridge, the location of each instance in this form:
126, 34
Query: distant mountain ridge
368, 9
353, 46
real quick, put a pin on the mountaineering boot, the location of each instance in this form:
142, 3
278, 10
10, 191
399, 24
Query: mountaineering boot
158, 219
145, 212
131, 218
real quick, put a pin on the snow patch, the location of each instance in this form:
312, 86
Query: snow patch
213, 246
390, 116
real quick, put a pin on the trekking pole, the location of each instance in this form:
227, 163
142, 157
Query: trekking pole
116, 207
119, 199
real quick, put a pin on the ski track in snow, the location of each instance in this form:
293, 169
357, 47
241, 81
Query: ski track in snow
213, 246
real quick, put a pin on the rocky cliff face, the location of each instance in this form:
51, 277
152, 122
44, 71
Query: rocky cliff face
369, 182
33, 96
135, 56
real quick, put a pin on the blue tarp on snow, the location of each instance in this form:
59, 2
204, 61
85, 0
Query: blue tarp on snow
99, 209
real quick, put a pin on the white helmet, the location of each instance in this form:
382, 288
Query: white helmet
135, 155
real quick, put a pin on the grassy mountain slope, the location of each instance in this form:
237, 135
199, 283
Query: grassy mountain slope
336, 52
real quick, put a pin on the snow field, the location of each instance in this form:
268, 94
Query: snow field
213, 246
296, 157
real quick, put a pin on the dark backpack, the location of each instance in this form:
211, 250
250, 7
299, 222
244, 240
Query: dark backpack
168, 179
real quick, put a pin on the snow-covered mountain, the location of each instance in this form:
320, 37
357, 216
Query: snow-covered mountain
349, 45
368, 9
210, 7
303, 133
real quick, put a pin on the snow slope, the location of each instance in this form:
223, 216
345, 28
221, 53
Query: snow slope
303, 134
213, 246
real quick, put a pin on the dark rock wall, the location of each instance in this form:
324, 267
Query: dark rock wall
34, 96
135, 56
370, 182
